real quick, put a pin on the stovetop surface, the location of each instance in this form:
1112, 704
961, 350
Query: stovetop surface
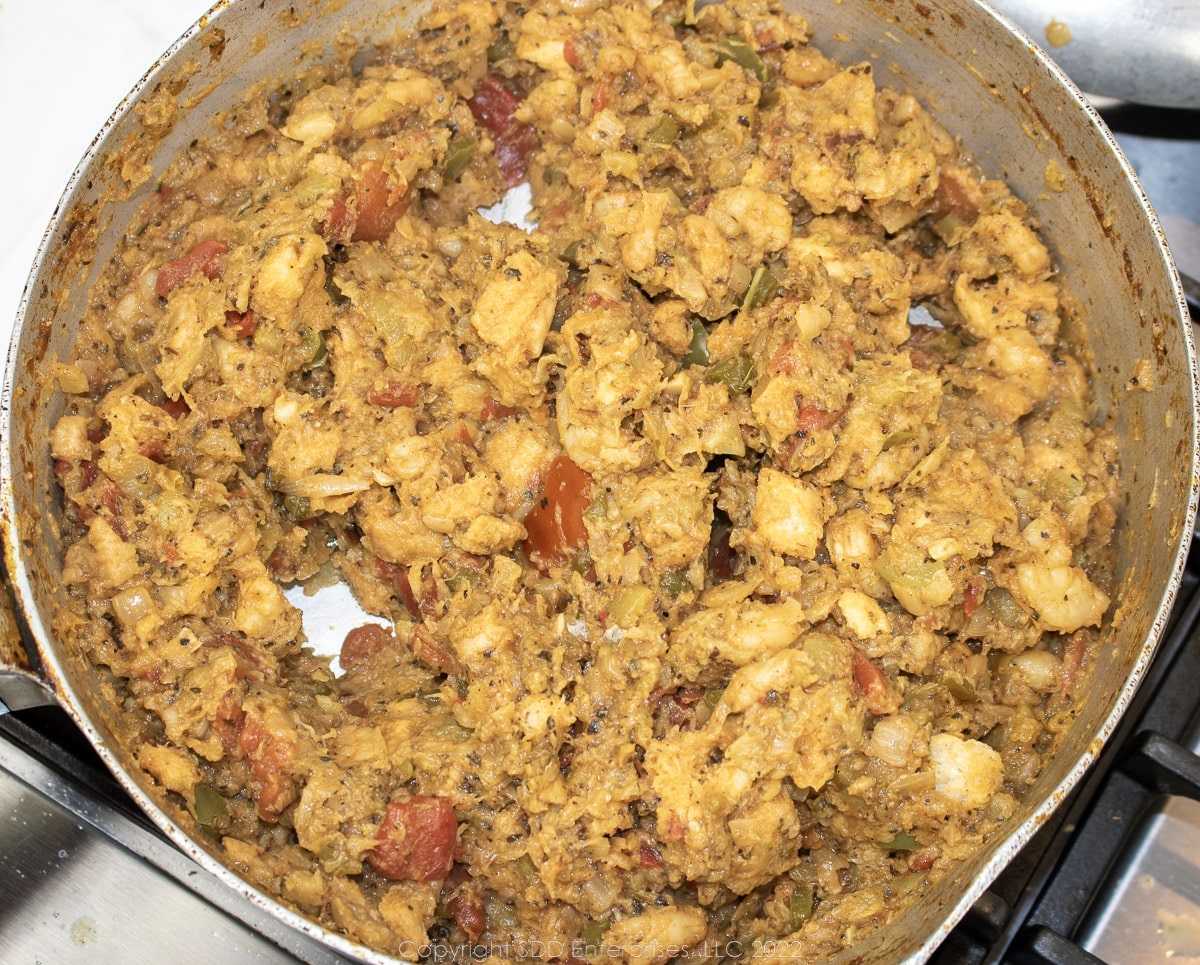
85, 877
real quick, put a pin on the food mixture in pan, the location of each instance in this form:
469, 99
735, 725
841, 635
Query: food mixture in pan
736, 535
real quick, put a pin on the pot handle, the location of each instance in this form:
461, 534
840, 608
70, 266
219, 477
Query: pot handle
20, 688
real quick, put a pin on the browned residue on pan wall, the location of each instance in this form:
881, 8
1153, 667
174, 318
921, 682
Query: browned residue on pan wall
12, 650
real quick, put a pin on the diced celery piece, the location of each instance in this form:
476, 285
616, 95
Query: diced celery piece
903, 841
629, 605
664, 132
458, 155
697, 353
800, 906
674, 581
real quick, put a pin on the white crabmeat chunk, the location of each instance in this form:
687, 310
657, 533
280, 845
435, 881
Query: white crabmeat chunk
658, 934
789, 513
968, 772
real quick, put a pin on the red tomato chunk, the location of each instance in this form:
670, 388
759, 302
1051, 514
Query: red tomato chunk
242, 324
270, 756
204, 258
555, 524
493, 106
362, 642
873, 685
394, 395
416, 840
381, 203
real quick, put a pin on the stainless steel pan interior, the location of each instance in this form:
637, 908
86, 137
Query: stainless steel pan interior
987, 83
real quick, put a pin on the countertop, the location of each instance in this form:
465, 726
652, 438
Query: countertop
65, 65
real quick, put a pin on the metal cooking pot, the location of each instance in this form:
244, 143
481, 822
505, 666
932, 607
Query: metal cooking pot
988, 84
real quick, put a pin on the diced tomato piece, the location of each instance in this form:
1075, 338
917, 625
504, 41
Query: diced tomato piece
110, 501
228, 721
362, 642
397, 575
680, 716
394, 395
469, 913
848, 347
244, 324
270, 756
465, 902
675, 829
874, 686
513, 150
972, 594
601, 97
596, 300
238, 642
570, 52
954, 198
556, 217
426, 648
338, 226
380, 204
1072, 659
924, 355
416, 840
493, 409
811, 418
176, 408
155, 451
204, 258
555, 524
649, 856
493, 106
838, 140
783, 362
461, 434
427, 605
678, 704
